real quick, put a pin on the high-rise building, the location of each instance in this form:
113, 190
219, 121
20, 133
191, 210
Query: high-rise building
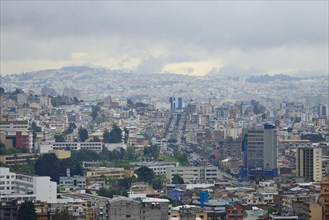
259, 147
309, 163
176, 104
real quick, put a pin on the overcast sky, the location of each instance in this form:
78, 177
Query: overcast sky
193, 38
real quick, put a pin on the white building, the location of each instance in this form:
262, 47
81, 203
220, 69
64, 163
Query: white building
159, 168
193, 173
14, 185
45, 147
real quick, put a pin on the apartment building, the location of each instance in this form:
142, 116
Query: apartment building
193, 173
21, 158
13, 126
159, 168
123, 208
116, 173
45, 147
309, 163
14, 185
259, 146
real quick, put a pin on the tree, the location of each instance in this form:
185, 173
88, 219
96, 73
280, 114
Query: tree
106, 136
71, 127
152, 151
83, 134
75, 101
59, 138
115, 134
35, 128
111, 192
86, 155
26, 211
177, 179
63, 215
96, 139
181, 157
126, 137
145, 174
271, 209
95, 110
125, 182
158, 182
50, 165
131, 153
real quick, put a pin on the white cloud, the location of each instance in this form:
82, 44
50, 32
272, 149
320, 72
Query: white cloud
197, 68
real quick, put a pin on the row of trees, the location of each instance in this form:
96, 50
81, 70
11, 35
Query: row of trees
106, 155
113, 136
50, 165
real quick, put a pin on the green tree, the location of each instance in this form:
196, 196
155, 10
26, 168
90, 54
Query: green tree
158, 182
271, 209
111, 192
59, 138
181, 157
71, 127
145, 174
96, 139
86, 155
115, 134
35, 128
95, 110
126, 182
131, 153
26, 211
152, 151
177, 179
83, 134
50, 165
106, 136
126, 137
75, 101
63, 215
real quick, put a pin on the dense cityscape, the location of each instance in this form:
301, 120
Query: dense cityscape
164, 110
82, 143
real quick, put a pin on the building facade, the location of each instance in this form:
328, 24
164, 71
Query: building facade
176, 104
309, 163
14, 185
193, 173
45, 147
259, 147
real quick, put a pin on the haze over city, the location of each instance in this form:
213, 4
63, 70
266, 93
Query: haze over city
193, 38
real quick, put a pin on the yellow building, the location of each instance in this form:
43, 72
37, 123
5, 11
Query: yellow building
61, 154
312, 211
188, 212
115, 173
324, 198
18, 158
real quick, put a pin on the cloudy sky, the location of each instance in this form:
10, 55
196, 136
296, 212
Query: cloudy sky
188, 37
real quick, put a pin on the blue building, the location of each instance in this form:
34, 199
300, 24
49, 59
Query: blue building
175, 192
176, 104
